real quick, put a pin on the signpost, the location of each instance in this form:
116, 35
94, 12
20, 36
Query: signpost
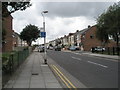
43, 34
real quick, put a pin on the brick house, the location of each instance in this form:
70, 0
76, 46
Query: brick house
7, 25
89, 39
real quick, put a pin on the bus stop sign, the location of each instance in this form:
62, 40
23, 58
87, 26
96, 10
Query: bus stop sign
43, 34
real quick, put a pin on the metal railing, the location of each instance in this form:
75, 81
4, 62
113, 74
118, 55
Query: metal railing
11, 63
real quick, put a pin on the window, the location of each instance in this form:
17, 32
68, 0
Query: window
91, 36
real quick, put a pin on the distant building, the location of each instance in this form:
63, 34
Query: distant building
71, 39
17, 42
53, 42
65, 40
84, 39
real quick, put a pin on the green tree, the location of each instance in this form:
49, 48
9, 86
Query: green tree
11, 7
30, 33
108, 23
101, 33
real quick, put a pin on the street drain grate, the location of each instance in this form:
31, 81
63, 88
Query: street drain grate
34, 73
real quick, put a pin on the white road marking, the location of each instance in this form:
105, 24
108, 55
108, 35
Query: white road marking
76, 58
97, 64
77, 53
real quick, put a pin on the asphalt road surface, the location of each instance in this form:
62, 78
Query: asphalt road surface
94, 72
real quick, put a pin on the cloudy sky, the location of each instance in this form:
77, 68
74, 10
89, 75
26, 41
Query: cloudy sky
62, 17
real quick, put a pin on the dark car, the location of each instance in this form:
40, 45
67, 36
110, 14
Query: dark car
57, 48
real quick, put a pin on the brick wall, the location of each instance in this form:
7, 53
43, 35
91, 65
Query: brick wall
7, 25
90, 39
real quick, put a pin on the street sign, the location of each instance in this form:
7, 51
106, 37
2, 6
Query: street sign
43, 34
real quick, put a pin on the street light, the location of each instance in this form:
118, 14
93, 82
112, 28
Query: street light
45, 57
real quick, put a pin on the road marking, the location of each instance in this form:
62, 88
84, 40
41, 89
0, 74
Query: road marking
76, 58
77, 53
97, 64
60, 77
63, 78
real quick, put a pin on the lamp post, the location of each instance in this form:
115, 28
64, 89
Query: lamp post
45, 56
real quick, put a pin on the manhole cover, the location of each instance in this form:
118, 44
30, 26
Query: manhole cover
34, 73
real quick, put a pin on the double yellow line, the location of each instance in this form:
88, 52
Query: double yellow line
63, 77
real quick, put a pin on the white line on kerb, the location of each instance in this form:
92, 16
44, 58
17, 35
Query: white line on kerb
97, 64
76, 58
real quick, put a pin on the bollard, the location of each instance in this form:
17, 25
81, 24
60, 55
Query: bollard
118, 50
113, 51
108, 51
18, 59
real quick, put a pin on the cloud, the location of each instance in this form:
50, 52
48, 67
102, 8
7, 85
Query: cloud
74, 9
24, 18
62, 17
59, 27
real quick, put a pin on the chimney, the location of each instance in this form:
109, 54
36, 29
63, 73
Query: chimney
77, 31
89, 26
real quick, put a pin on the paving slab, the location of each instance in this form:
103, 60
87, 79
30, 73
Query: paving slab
34, 74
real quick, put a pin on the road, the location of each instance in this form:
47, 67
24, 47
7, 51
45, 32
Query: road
94, 72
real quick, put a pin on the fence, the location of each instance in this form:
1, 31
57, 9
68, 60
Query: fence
11, 63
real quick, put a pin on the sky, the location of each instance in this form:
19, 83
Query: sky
62, 17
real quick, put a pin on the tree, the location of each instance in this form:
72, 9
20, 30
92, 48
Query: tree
11, 7
30, 33
108, 23
101, 33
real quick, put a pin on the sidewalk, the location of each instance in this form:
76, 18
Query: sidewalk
114, 57
33, 74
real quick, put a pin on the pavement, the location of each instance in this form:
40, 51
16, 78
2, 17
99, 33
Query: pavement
33, 73
114, 57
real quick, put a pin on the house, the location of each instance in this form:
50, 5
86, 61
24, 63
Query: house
7, 26
71, 39
75, 38
17, 42
88, 38
79, 35
53, 43
65, 40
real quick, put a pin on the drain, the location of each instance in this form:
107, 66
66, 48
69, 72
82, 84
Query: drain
34, 73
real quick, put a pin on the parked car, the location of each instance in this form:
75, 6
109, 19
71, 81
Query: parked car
72, 48
57, 48
97, 49
51, 48
77, 48
41, 48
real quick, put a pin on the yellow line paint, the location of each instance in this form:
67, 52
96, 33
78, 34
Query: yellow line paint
61, 77
65, 77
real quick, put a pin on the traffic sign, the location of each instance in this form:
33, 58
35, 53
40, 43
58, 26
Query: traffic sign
43, 34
